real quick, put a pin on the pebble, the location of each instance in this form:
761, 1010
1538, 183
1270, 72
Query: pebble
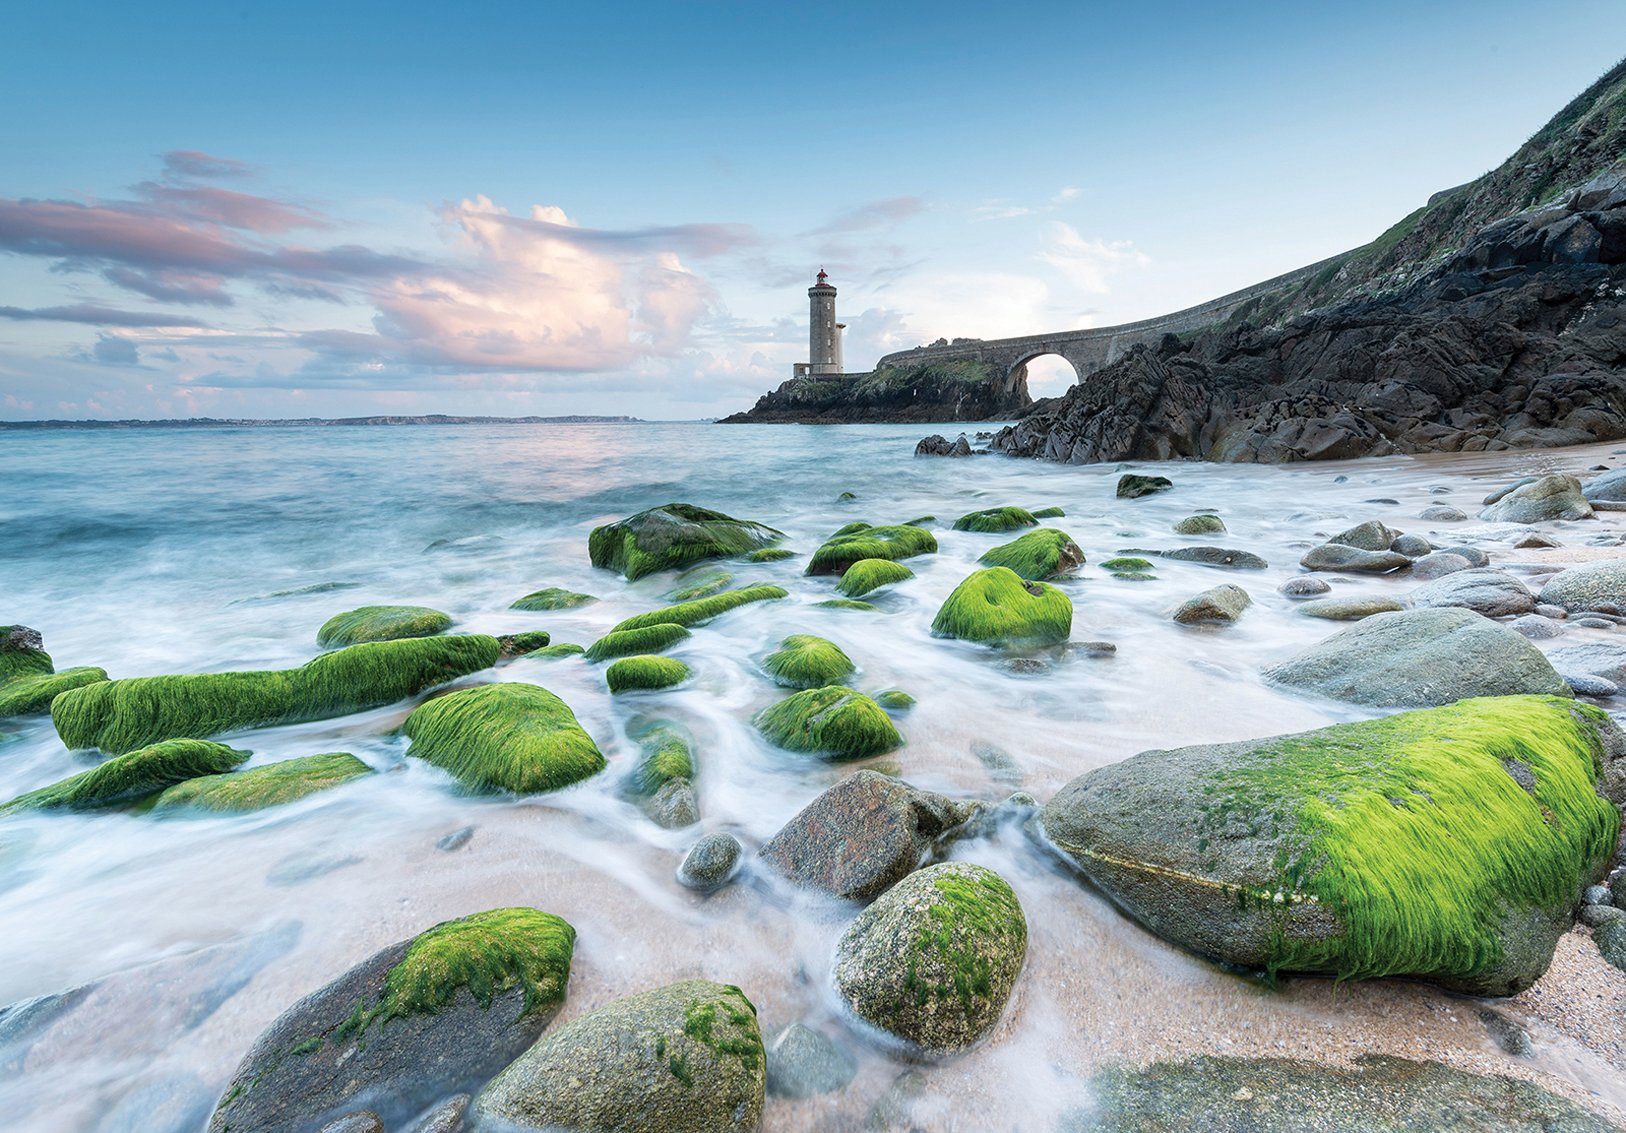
1536, 539
1546, 610
1438, 564
1442, 513
456, 840
803, 1063
1304, 586
1589, 621
1536, 627
1412, 546
711, 862
1583, 684
1598, 895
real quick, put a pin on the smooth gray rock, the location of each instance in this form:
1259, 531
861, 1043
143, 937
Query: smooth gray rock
1552, 497
1610, 938
1475, 557
1548, 610
1594, 658
803, 1063
1610, 486
1597, 895
1493, 593
1596, 687
711, 862
1412, 546
1534, 540
1537, 627
1589, 586
1507, 489
1200, 525
1217, 557
1337, 556
1595, 915
1438, 564
1368, 536
1416, 658
365, 1121
674, 805
1442, 513
1218, 605
1303, 586
684, 1058
1351, 609
447, 1117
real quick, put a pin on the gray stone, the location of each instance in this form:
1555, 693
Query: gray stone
1412, 546
673, 805
1611, 940
1595, 915
1132, 486
1219, 605
1594, 658
1493, 593
1200, 525
1535, 539
1597, 895
1368, 536
803, 1063
1438, 564
862, 836
1610, 486
364, 1121
1351, 609
1548, 610
1506, 1033
1416, 658
1337, 556
1537, 627
684, 1058
1475, 557
905, 964
1507, 489
711, 862
1303, 586
447, 1117
1593, 621
456, 840
1442, 513
1217, 557
1552, 497
1596, 687
1589, 586
1617, 889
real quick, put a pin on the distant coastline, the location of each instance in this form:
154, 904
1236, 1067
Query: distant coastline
268, 423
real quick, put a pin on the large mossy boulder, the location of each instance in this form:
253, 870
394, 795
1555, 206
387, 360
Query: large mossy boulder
868, 575
832, 721
551, 598
504, 737
1449, 844
676, 535
645, 673
381, 623
934, 959
862, 836
703, 609
1590, 586
859, 541
1418, 658
1038, 555
121, 715
997, 606
645, 639
28, 679
422, 1019
804, 660
662, 781
133, 776
268, 786
996, 520
685, 1058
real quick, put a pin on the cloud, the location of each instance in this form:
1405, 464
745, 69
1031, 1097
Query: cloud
701, 241
876, 214
195, 163
113, 350
93, 315
1087, 264
230, 208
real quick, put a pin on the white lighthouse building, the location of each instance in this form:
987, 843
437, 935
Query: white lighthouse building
823, 332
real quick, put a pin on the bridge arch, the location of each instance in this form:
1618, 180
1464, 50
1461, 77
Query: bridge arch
1047, 374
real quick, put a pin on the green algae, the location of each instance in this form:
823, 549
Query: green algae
861, 541
852, 528
723, 1026
975, 914
667, 754
505, 737
996, 519
1421, 830
920, 521
552, 598
557, 650
701, 587
895, 700
644, 639
268, 786
868, 575
1134, 576
1132, 486
20, 654
833, 721
703, 609
846, 604
996, 606
1049, 513
132, 776
121, 715
1126, 564
523, 643
769, 555
381, 623
1038, 555
672, 536
806, 661
645, 672
30, 694
1200, 524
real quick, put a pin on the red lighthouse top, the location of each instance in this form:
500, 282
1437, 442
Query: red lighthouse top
822, 277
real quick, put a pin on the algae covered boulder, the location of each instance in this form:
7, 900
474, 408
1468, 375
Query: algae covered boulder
1038, 555
833, 721
645, 639
28, 679
1132, 485
132, 776
996, 519
1448, 844
268, 786
422, 1019
997, 606
552, 598
381, 623
934, 959
676, 535
859, 541
867, 575
806, 661
122, 715
685, 1058
522, 644
645, 672
769, 555
703, 609
1200, 524
504, 737
663, 781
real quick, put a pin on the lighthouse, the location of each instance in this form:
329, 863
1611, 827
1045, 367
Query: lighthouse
823, 332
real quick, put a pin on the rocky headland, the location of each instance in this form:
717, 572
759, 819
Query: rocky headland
941, 391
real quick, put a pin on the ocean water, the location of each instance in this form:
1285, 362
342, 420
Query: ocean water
176, 940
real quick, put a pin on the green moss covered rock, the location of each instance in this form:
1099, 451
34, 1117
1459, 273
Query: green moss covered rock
1449, 844
1049, 513
662, 782
422, 1019
22, 653
1132, 486
769, 555
553, 598
132, 776
846, 604
861, 541
381, 623
699, 585
685, 1058
634, 674
1200, 525
268, 786
868, 575
122, 715
805, 661
996, 519
504, 737
511, 645
704, 609
645, 639
676, 535
1038, 555
932, 962
28, 679
557, 650
997, 606
833, 721
1127, 564
895, 700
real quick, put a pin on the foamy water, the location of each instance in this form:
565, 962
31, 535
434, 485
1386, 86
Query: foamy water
156, 551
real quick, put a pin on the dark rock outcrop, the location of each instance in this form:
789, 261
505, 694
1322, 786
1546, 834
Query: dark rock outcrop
945, 391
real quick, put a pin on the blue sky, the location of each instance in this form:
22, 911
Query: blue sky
542, 208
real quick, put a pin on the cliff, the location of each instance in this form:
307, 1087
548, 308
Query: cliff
945, 391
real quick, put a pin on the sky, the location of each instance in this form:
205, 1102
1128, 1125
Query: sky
294, 210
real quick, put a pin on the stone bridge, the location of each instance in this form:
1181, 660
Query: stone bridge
1089, 350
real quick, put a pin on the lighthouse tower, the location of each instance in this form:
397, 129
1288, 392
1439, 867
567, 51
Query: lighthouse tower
824, 333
